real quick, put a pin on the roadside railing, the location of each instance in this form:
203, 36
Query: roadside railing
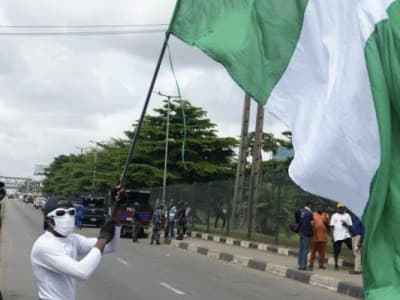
211, 202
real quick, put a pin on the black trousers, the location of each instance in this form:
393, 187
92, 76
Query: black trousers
337, 246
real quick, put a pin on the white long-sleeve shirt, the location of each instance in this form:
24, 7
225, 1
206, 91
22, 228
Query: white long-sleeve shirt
56, 265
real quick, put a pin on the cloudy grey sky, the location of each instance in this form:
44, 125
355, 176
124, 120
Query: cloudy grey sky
59, 92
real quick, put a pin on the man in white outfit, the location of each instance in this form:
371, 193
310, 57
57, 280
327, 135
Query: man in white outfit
341, 224
59, 256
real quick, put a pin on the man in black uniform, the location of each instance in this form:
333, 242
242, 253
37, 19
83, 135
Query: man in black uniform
158, 224
180, 220
137, 225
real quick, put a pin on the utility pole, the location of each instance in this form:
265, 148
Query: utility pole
81, 149
94, 165
28, 185
164, 190
241, 166
255, 171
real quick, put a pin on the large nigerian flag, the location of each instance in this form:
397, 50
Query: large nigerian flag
329, 69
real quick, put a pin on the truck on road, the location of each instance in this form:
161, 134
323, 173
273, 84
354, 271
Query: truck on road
95, 210
135, 210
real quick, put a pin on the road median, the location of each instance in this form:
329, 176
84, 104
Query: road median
277, 262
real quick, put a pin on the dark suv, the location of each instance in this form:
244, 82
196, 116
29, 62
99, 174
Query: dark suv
95, 210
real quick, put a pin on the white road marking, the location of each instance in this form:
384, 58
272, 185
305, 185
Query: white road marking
171, 288
122, 261
167, 254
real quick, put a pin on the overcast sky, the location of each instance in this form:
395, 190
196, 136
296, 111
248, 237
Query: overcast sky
59, 92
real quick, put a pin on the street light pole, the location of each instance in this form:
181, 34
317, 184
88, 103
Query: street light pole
81, 149
164, 190
166, 155
94, 165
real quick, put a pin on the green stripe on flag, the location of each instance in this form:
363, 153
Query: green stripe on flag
245, 31
382, 217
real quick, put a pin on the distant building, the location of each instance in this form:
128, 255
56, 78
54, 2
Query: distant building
283, 153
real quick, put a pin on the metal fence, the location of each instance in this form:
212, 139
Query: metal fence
277, 200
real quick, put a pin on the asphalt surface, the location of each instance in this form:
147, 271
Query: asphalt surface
140, 271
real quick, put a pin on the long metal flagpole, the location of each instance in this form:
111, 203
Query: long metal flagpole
146, 104
140, 123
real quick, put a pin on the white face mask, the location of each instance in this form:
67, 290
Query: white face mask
64, 225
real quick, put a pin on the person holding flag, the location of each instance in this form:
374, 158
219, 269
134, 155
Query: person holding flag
59, 256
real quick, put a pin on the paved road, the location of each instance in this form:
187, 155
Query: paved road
142, 272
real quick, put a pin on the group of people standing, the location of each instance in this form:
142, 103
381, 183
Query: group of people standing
178, 215
174, 215
315, 228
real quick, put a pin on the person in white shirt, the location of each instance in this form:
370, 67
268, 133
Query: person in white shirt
341, 231
171, 216
59, 256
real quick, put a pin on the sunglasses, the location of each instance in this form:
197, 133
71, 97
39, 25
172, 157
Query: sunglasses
61, 212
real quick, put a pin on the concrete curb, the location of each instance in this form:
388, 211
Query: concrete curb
325, 282
262, 247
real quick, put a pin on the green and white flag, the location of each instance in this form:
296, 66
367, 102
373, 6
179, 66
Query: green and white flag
330, 70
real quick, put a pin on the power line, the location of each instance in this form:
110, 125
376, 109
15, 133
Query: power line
82, 26
86, 33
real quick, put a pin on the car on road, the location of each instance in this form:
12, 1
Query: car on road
39, 202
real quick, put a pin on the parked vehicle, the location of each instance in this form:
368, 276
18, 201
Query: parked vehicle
28, 199
95, 210
39, 202
135, 207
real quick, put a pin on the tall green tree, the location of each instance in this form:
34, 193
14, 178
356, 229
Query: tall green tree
206, 156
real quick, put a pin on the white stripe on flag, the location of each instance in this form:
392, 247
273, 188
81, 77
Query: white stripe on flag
325, 99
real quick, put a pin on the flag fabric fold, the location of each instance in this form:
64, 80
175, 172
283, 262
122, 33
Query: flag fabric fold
330, 70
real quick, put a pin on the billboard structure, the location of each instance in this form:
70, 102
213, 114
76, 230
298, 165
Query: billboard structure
40, 170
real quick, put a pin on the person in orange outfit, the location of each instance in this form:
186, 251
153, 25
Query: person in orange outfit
320, 237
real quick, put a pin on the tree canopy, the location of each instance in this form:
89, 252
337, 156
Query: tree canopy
207, 156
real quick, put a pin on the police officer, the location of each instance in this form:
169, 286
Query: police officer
137, 225
56, 254
158, 224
